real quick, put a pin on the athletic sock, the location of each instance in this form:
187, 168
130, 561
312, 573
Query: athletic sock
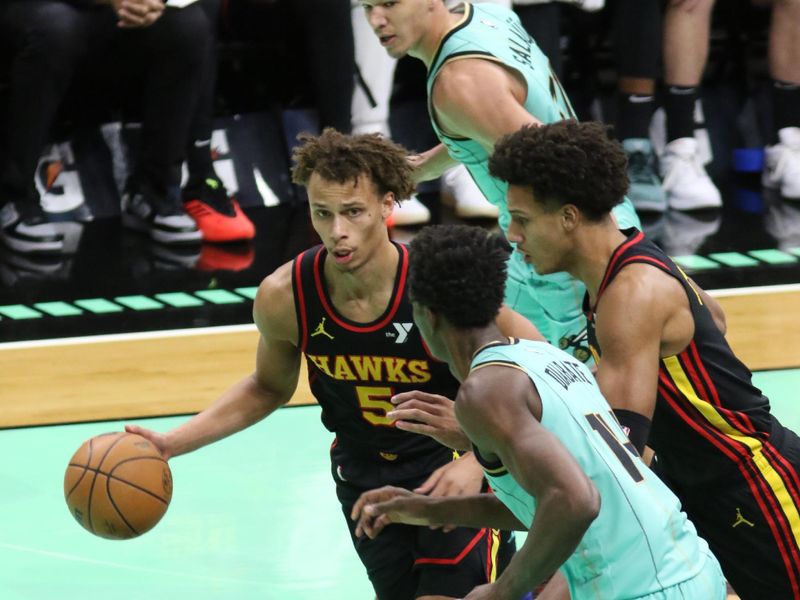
633, 115
786, 106
679, 106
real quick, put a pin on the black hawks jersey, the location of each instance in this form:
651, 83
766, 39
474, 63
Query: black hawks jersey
355, 368
709, 419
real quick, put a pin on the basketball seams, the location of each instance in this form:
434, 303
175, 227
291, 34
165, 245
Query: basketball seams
77, 483
111, 475
116, 508
120, 436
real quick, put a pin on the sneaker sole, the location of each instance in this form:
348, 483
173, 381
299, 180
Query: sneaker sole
30, 247
160, 236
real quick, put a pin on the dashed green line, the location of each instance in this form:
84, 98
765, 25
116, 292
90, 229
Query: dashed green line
139, 302
773, 257
250, 292
19, 311
99, 306
733, 259
179, 299
693, 261
58, 309
219, 296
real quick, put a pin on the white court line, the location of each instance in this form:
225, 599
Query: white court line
170, 333
106, 563
756, 290
124, 337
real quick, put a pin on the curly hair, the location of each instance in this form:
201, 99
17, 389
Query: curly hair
460, 272
341, 158
566, 162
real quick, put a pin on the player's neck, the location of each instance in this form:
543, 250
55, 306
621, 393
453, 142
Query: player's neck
465, 343
372, 280
596, 244
442, 21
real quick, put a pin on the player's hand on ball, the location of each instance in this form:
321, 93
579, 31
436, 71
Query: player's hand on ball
428, 414
159, 440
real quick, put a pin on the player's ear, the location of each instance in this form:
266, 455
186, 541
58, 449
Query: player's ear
387, 205
570, 215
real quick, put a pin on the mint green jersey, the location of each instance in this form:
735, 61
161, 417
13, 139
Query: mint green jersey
491, 32
641, 543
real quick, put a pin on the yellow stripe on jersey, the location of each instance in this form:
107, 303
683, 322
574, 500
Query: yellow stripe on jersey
495, 548
710, 414
496, 472
497, 363
691, 285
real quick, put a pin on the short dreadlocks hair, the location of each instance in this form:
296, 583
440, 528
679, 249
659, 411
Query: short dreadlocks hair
459, 272
341, 158
565, 163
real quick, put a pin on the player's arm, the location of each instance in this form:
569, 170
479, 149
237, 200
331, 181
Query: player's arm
251, 399
431, 163
630, 321
713, 307
481, 100
513, 324
499, 409
378, 508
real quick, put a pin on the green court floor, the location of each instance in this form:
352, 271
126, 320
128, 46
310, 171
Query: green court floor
254, 516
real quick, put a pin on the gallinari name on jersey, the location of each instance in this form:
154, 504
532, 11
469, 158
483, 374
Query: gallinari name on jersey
350, 367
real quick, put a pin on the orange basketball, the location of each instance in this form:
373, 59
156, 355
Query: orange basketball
117, 485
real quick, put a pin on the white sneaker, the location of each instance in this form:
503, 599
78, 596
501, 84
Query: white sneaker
469, 201
782, 164
410, 212
685, 179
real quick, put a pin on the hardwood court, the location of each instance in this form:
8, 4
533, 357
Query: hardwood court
166, 374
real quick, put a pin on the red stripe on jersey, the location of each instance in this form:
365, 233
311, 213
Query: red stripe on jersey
615, 257
301, 299
785, 469
398, 297
461, 555
643, 258
758, 487
735, 418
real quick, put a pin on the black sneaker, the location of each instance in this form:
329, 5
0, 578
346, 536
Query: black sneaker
159, 215
29, 232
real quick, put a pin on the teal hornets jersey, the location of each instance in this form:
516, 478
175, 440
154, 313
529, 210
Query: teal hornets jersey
641, 542
490, 32
495, 33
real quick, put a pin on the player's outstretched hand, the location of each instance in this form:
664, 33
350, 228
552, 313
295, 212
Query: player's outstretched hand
431, 415
159, 440
376, 509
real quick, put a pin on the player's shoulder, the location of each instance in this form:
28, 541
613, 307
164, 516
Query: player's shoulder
639, 291
274, 303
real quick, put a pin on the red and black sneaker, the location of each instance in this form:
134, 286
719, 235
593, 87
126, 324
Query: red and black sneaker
217, 215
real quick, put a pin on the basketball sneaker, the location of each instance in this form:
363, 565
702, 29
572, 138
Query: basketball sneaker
686, 182
27, 230
467, 198
409, 212
217, 214
645, 189
782, 164
160, 215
